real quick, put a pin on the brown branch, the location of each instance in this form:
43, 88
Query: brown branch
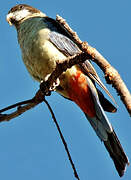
88, 52
28, 104
44, 88
21, 107
111, 75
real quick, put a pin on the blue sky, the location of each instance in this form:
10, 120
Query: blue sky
30, 146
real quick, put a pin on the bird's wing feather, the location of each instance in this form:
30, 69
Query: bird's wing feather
62, 40
100, 114
89, 70
64, 44
106, 104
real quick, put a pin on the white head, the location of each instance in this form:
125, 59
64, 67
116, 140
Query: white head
20, 12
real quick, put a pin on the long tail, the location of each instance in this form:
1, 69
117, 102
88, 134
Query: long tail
80, 89
106, 133
111, 143
116, 152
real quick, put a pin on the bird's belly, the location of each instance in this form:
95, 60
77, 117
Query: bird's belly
40, 58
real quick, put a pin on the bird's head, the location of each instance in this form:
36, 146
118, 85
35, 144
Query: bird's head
21, 12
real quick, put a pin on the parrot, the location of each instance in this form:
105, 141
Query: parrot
44, 43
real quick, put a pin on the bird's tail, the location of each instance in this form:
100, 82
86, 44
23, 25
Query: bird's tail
116, 152
106, 133
111, 143
83, 92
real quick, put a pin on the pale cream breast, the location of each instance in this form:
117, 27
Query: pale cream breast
39, 54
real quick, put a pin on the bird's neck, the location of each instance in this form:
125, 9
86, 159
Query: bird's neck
28, 28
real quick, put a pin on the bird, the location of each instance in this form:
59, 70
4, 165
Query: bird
44, 43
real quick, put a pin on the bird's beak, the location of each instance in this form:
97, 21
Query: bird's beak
8, 18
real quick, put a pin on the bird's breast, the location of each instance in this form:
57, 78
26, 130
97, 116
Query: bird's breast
39, 54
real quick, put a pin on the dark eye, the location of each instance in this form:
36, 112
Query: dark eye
21, 7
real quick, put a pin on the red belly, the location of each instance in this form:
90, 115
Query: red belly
80, 93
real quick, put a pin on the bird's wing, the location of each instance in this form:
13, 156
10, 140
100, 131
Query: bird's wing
64, 44
62, 40
88, 69
106, 104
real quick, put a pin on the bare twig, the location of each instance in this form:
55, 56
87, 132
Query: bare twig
21, 107
111, 75
16, 105
28, 104
63, 140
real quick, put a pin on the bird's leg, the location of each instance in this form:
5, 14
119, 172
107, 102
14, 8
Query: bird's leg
46, 89
54, 85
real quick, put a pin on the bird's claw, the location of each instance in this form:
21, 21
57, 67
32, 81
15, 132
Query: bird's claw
44, 87
54, 85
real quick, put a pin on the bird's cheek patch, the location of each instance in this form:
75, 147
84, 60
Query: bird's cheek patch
19, 15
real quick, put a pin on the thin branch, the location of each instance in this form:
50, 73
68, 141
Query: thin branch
111, 75
63, 140
16, 105
21, 107
24, 106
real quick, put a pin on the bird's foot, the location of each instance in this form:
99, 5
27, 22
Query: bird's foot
44, 87
54, 85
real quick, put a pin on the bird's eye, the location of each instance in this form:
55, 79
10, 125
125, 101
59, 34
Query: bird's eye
21, 7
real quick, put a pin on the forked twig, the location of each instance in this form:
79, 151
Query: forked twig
22, 107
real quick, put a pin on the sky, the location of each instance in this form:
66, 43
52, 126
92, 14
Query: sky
30, 146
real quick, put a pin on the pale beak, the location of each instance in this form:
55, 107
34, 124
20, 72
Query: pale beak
8, 18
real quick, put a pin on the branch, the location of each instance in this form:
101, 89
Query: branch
28, 104
111, 75
21, 107
63, 140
